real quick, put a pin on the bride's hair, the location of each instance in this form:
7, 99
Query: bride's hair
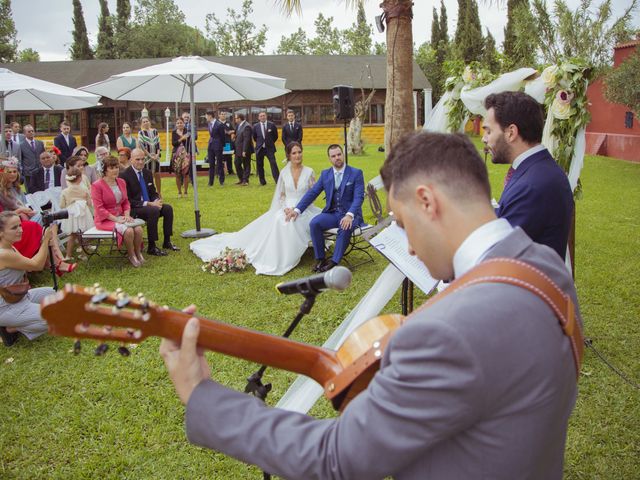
290, 146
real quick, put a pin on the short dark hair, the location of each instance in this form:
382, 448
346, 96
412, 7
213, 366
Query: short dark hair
210, 112
451, 160
65, 123
71, 161
110, 161
240, 116
332, 146
519, 109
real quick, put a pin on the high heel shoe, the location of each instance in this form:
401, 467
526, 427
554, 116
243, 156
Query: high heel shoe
70, 268
134, 261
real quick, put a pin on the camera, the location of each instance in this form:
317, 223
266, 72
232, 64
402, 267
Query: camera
49, 218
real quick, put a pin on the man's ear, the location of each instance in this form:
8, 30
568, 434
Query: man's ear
511, 132
426, 199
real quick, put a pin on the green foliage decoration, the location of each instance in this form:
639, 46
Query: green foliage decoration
463, 78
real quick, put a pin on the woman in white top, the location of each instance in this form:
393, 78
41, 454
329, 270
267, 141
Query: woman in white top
272, 245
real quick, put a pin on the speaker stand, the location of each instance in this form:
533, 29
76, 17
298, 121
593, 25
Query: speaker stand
346, 150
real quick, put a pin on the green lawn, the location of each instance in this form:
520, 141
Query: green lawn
66, 416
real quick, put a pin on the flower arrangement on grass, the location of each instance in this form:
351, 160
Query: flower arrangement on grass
566, 101
463, 78
230, 260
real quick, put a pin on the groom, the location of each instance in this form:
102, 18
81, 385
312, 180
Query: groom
344, 190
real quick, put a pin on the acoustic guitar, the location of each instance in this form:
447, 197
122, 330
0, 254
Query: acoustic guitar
92, 312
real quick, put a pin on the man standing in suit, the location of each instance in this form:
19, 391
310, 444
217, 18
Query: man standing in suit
11, 147
186, 118
31, 150
226, 151
292, 130
147, 204
537, 196
17, 136
265, 134
47, 176
480, 383
65, 142
344, 189
216, 145
243, 149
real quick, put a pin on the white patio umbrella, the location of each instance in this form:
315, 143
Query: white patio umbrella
21, 92
191, 79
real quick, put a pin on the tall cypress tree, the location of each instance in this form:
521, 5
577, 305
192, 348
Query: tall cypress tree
509, 43
469, 39
80, 49
8, 42
123, 17
106, 44
444, 26
435, 29
460, 25
490, 54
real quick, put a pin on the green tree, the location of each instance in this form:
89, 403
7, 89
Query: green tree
80, 49
435, 28
159, 30
237, 35
106, 40
622, 85
469, 41
588, 33
8, 42
28, 55
328, 40
358, 37
379, 48
295, 44
444, 26
509, 44
122, 28
518, 48
490, 55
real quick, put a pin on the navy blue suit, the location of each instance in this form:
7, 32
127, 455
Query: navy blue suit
266, 146
348, 198
66, 149
214, 151
538, 199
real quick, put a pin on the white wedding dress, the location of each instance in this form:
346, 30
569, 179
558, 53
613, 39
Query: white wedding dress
272, 245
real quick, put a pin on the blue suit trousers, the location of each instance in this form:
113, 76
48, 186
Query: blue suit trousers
325, 221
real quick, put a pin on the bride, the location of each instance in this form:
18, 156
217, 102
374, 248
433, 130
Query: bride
272, 245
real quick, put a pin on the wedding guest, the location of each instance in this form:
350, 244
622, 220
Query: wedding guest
55, 155
113, 211
101, 154
20, 312
126, 139
47, 176
80, 162
88, 170
292, 130
12, 148
149, 142
77, 200
265, 134
30, 150
181, 157
17, 137
65, 142
124, 158
243, 149
229, 137
102, 139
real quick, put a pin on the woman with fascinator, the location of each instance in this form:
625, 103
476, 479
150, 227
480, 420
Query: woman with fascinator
272, 244
12, 199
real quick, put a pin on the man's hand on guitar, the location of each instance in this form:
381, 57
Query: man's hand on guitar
185, 363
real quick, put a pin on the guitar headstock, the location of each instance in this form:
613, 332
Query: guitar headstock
92, 312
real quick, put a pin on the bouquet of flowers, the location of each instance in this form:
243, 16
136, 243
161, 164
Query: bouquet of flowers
230, 260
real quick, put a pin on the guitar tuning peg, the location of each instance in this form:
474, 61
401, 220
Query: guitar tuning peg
140, 295
122, 301
99, 297
96, 285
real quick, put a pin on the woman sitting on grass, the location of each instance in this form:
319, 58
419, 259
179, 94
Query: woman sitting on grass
19, 304
113, 211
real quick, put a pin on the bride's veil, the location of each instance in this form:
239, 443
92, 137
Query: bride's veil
279, 194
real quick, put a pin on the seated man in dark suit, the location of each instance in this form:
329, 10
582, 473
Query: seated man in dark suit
478, 383
65, 142
147, 204
47, 176
537, 195
344, 189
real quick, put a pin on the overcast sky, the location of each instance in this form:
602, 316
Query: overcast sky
46, 25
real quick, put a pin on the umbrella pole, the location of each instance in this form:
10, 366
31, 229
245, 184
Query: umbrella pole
3, 143
198, 232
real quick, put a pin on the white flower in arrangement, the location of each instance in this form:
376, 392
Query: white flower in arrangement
561, 109
549, 75
468, 76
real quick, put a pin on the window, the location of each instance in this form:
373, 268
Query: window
274, 114
297, 111
46, 123
74, 120
310, 114
377, 113
327, 115
21, 119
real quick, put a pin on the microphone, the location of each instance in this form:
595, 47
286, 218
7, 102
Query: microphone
338, 278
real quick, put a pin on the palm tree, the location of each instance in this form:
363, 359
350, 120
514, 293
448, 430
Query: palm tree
398, 117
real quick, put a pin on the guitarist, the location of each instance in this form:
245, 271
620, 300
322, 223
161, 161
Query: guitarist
479, 384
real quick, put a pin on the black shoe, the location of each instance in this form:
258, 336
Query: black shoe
318, 265
156, 251
8, 338
170, 246
101, 349
327, 266
263, 184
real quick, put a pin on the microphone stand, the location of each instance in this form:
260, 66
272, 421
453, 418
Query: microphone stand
255, 386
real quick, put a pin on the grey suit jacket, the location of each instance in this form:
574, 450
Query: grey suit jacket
14, 150
30, 157
480, 386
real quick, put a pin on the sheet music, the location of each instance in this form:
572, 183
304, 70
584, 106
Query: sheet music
392, 243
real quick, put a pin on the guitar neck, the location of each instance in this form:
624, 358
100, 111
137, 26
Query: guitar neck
279, 352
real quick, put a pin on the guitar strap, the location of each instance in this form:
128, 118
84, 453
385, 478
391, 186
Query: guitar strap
498, 270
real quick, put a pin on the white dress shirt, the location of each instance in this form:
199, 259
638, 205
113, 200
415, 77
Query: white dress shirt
476, 246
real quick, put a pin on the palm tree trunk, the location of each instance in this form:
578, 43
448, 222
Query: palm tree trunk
399, 102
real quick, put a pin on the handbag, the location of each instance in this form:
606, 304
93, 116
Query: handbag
16, 292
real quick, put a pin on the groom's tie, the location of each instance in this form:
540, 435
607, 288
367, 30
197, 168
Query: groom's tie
338, 179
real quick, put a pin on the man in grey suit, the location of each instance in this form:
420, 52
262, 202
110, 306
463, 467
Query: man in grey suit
31, 150
11, 147
243, 149
480, 384
15, 132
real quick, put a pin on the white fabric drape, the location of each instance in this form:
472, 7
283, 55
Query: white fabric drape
473, 99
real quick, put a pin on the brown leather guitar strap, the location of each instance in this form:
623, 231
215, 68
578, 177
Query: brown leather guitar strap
521, 274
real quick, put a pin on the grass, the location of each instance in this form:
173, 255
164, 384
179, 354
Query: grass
111, 417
